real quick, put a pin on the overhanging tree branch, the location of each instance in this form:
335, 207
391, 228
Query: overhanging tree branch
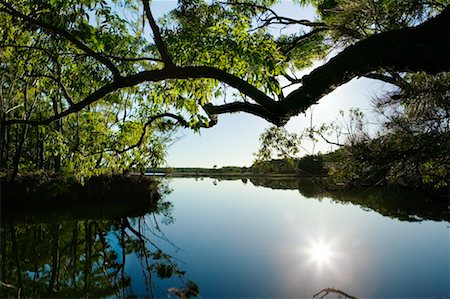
254, 109
275, 18
425, 47
264, 101
287, 47
422, 48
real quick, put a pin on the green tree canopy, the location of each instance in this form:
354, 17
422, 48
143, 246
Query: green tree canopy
92, 85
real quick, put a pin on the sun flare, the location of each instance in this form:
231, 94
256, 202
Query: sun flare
321, 252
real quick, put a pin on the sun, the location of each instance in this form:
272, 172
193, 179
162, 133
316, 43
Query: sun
321, 253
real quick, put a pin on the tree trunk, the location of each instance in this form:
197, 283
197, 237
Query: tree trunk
58, 127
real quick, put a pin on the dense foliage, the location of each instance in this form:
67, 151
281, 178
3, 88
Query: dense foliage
412, 148
94, 87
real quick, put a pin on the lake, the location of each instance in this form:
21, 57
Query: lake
251, 238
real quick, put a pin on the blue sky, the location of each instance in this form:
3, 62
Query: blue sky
236, 137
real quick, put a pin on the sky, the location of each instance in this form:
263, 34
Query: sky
235, 139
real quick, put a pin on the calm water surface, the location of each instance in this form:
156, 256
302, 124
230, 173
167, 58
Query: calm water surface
235, 239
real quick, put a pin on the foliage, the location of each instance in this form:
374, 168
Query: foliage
309, 166
87, 89
412, 148
353, 20
50, 74
277, 142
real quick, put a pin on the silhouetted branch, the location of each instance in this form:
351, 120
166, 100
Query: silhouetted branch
251, 108
157, 36
384, 78
57, 81
291, 45
159, 75
134, 58
180, 120
421, 48
275, 18
332, 290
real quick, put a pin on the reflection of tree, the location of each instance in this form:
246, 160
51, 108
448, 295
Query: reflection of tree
84, 257
398, 204
59, 260
393, 203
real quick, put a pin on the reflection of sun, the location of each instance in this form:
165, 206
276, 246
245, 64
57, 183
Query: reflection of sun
320, 252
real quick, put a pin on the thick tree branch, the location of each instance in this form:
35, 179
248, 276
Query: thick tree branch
265, 102
422, 48
254, 109
329, 141
9, 9
165, 55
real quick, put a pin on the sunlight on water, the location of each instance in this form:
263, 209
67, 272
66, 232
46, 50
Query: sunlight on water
321, 253
233, 239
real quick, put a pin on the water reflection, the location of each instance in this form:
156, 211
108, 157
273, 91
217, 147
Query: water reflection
236, 240
394, 203
321, 253
87, 255
320, 257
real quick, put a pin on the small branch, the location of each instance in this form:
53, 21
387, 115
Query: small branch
332, 290
157, 36
134, 58
280, 20
275, 17
290, 46
269, 17
292, 79
57, 81
384, 78
212, 117
6, 285
180, 120
328, 141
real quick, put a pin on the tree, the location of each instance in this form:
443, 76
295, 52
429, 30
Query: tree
411, 149
406, 145
91, 70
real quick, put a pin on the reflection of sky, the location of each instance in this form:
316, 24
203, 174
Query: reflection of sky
243, 241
